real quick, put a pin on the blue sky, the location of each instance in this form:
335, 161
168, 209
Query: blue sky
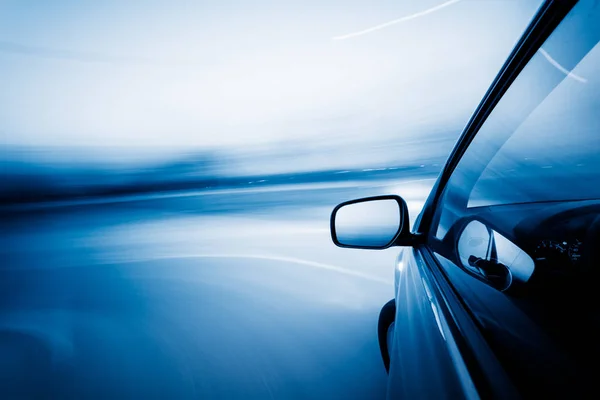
232, 73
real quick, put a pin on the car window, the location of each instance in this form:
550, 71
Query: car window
543, 135
556, 146
517, 227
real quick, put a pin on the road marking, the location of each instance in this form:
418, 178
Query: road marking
268, 257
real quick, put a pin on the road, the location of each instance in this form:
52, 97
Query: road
224, 295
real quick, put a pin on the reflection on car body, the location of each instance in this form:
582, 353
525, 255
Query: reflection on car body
495, 288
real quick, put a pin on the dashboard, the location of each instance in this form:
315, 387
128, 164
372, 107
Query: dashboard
561, 234
562, 244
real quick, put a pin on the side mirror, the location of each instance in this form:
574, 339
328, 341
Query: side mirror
371, 223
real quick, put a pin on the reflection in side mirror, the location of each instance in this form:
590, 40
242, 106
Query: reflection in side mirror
474, 241
488, 254
478, 255
369, 223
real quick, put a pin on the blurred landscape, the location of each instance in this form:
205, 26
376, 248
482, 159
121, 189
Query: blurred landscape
206, 274
51, 174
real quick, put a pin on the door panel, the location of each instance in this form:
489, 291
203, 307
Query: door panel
425, 361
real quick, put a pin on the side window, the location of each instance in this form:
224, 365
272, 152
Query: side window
529, 283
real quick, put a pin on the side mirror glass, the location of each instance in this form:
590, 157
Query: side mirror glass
369, 223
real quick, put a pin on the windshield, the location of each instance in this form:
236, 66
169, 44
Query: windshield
541, 143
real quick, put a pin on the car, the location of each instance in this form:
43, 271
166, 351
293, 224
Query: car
496, 283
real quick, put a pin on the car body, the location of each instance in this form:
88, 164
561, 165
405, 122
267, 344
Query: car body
495, 283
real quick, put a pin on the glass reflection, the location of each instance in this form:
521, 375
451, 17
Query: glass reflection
368, 224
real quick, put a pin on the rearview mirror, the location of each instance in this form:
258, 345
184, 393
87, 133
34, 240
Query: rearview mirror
370, 223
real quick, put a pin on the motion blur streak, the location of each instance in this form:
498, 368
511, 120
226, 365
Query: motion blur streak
81, 56
273, 258
560, 67
396, 21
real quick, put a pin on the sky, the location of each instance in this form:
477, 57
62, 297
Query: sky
237, 72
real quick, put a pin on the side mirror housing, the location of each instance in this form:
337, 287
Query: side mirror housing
371, 223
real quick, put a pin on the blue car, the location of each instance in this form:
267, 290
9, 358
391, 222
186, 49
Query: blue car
496, 283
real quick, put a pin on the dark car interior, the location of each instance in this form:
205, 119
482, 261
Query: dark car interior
550, 312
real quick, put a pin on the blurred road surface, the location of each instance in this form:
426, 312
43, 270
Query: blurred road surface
224, 295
